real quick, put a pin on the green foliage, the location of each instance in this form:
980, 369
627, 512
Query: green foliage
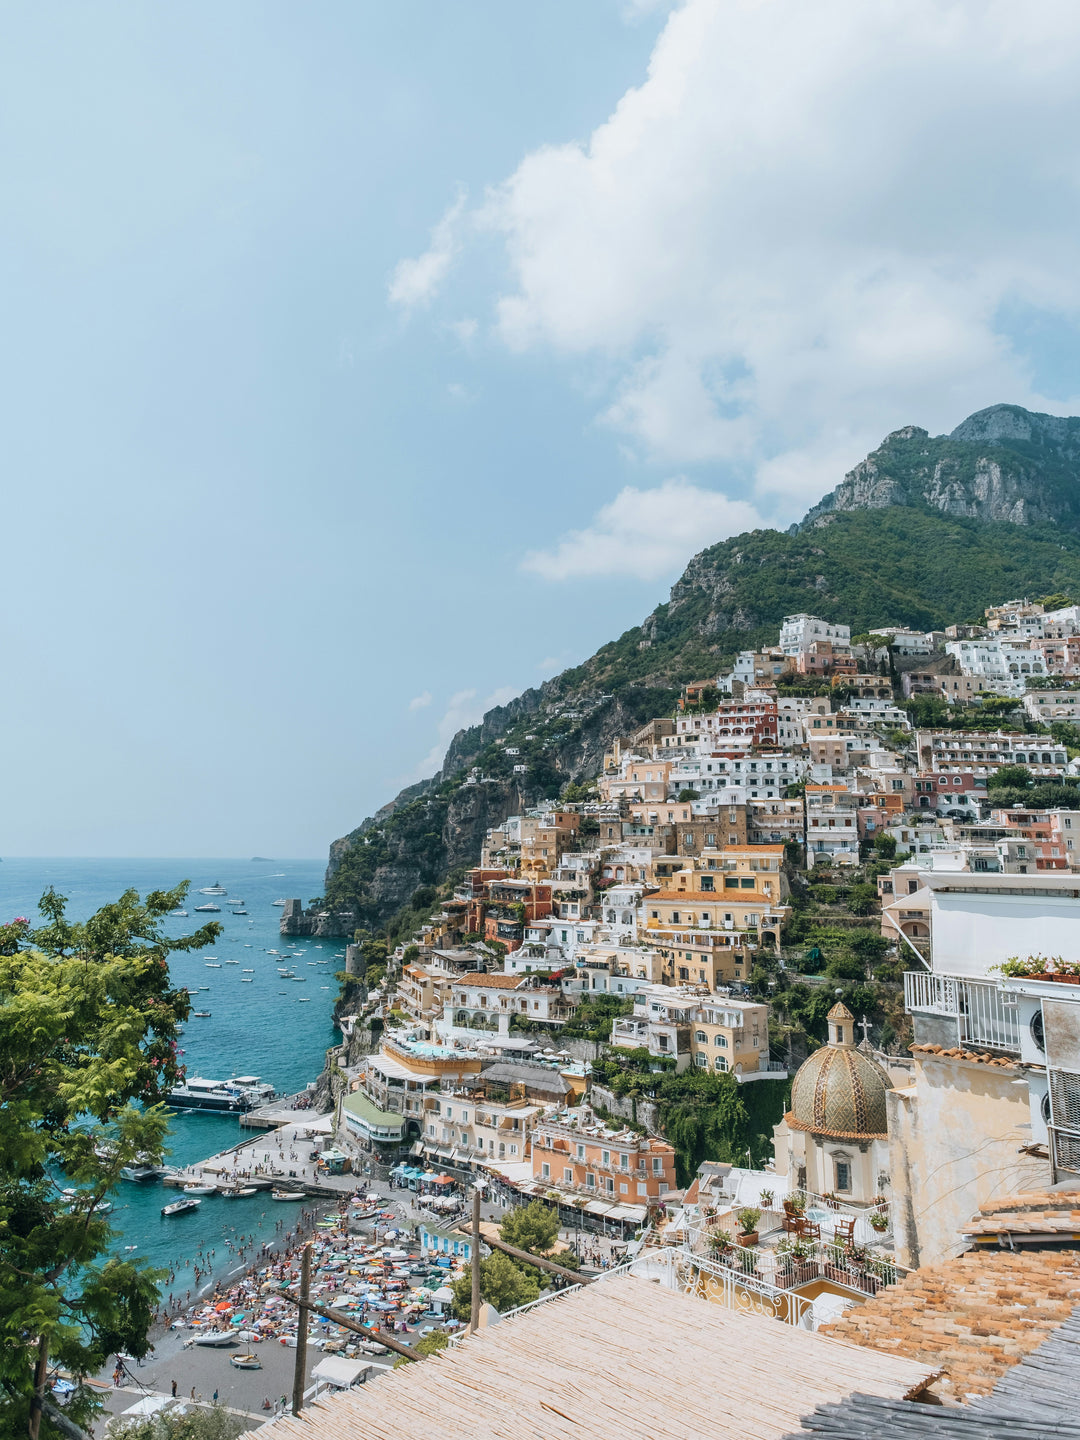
88, 1023
1010, 777
885, 845
503, 1283
845, 967
708, 1116
214, 1423
862, 899
592, 1018
685, 795
533, 1227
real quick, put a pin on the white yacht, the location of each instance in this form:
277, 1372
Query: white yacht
216, 889
180, 914
277, 902
210, 909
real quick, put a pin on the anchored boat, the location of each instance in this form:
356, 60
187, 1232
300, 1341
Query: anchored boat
181, 1207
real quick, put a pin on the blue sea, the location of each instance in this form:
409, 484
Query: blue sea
257, 1029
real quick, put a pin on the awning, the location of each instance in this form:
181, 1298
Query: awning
444, 1154
627, 1212
417, 1148
597, 1207
339, 1370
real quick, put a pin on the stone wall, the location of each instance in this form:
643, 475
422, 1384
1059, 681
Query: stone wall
641, 1112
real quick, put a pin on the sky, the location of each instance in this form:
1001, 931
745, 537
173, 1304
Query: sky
362, 365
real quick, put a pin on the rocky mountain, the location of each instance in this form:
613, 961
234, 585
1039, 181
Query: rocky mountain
924, 532
1004, 463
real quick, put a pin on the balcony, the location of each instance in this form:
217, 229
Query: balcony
978, 1008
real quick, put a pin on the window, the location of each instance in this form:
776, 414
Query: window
624, 1162
747, 882
643, 1188
609, 1185
720, 1063
624, 1189
701, 1037
843, 1175
701, 1061
581, 1152
657, 1165
605, 1157
545, 1170
568, 1175
590, 1181
720, 1042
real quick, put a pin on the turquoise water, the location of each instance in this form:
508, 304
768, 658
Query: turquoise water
253, 1029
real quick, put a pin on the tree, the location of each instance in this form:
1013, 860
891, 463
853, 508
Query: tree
533, 1227
885, 845
502, 1284
87, 1052
213, 1424
862, 899
1017, 777
845, 967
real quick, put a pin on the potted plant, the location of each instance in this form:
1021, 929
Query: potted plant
721, 1244
831, 1200
748, 1218
879, 1221
766, 1199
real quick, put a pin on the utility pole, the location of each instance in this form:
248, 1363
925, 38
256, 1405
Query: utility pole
302, 1332
474, 1313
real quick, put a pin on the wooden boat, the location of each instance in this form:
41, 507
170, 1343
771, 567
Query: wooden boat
245, 1362
238, 1192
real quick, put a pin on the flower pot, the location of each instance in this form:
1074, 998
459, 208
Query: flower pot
747, 1240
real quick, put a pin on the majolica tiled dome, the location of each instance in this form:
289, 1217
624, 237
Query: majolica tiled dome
838, 1092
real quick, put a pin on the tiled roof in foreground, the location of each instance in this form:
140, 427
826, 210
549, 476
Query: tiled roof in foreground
973, 1317
1036, 1399
621, 1357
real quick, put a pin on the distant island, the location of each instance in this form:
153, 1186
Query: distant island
261, 860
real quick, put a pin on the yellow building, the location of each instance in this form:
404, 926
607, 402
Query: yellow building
712, 909
730, 1035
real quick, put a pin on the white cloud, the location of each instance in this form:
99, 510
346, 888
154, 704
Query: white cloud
420, 702
800, 230
645, 533
463, 709
416, 282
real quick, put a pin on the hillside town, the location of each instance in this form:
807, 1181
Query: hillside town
829, 899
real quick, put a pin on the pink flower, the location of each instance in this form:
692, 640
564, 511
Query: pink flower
21, 920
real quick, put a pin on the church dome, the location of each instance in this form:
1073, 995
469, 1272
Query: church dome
838, 1092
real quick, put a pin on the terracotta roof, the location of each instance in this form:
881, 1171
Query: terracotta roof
980, 1057
1032, 1213
973, 1316
477, 980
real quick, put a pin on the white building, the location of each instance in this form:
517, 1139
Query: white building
799, 632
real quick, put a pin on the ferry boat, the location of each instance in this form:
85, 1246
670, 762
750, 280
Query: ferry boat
215, 889
181, 1207
200, 1094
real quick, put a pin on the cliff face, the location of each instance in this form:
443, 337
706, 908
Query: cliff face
1001, 464
923, 532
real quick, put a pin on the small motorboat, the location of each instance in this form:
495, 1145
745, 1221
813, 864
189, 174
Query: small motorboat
197, 1189
180, 914
286, 1195
238, 1192
181, 1207
245, 1362
303, 999
212, 965
201, 1014
239, 912
232, 962
250, 972
247, 982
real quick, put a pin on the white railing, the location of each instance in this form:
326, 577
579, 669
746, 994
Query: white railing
978, 1007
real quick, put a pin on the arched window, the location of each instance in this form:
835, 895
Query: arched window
701, 1037
720, 1041
720, 1062
702, 1061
